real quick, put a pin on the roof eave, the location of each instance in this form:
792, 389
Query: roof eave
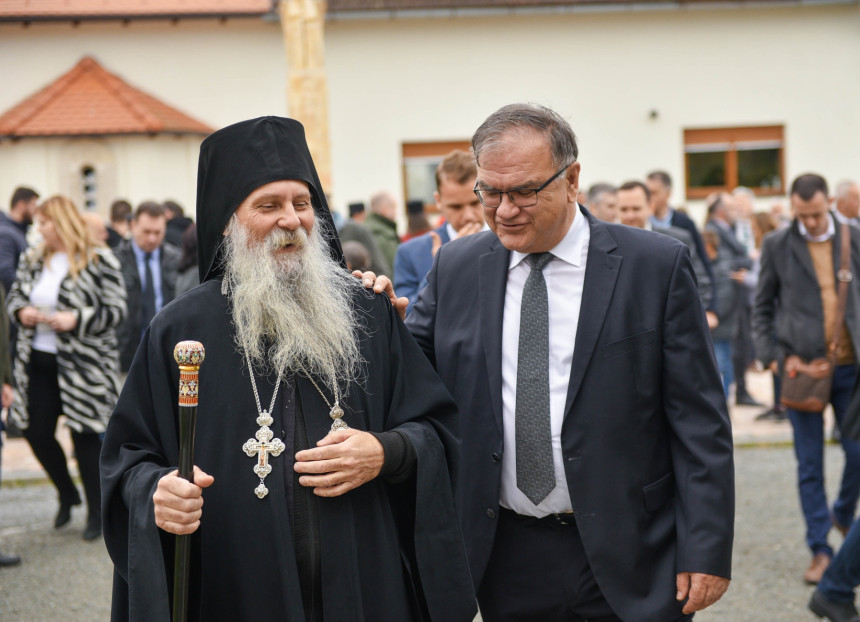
26, 19
175, 133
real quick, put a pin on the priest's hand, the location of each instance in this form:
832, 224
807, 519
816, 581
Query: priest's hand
179, 503
382, 285
343, 460
700, 590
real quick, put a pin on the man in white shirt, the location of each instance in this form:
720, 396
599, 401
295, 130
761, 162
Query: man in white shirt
596, 477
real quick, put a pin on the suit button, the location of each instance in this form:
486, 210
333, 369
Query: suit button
491, 513
495, 457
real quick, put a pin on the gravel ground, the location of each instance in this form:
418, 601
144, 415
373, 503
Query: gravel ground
64, 578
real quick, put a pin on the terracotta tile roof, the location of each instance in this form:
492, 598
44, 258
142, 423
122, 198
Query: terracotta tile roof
21, 10
88, 100
347, 6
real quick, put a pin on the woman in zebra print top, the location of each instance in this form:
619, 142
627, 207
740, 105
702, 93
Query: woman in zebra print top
67, 299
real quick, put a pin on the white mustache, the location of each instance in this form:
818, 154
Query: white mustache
280, 238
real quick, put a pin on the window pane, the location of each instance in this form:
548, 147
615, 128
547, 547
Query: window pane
421, 179
706, 169
759, 168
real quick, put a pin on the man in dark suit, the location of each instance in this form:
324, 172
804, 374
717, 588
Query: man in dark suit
633, 202
664, 215
455, 199
794, 311
149, 269
596, 477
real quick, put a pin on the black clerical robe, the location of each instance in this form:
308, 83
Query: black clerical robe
384, 548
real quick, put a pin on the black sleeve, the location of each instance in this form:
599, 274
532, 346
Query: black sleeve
400, 456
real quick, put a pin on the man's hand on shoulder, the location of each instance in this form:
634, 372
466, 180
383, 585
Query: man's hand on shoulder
340, 462
699, 590
382, 285
179, 503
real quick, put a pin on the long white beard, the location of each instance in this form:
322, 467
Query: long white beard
293, 311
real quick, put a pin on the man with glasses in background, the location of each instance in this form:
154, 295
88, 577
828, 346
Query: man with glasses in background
596, 471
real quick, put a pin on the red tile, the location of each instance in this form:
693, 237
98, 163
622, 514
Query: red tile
89, 100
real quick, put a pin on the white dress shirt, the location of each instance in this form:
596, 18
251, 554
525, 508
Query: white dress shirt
565, 276
831, 231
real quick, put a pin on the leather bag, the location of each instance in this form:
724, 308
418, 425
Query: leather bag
806, 385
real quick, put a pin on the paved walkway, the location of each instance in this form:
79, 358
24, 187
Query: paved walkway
769, 553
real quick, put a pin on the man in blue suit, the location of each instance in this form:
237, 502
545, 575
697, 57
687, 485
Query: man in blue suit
596, 476
456, 200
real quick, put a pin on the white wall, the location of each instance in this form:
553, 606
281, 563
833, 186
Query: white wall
136, 168
216, 73
436, 79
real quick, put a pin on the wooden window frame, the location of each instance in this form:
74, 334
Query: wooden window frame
731, 136
428, 149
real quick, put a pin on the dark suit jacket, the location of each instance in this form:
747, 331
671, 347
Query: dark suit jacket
703, 275
730, 243
128, 333
646, 437
412, 263
788, 317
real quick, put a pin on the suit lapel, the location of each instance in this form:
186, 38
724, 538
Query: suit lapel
601, 272
492, 281
801, 251
443, 234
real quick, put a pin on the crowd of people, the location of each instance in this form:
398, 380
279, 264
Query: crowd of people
508, 420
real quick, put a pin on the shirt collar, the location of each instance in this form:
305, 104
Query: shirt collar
831, 231
569, 249
139, 253
664, 222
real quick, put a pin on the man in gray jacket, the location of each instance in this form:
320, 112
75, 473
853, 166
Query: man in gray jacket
798, 278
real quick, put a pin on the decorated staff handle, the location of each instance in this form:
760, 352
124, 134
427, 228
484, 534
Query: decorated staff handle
189, 355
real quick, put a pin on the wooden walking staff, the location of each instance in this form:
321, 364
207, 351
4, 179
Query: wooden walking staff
189, 355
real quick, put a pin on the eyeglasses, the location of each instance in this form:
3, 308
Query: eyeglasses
521, 197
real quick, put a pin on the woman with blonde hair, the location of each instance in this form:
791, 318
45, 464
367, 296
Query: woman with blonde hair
67, 299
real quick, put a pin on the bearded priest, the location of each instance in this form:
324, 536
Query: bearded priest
355, 520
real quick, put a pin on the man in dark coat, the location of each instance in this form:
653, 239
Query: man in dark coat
13, 232
350, 524
795, 306
145, 254
596, 475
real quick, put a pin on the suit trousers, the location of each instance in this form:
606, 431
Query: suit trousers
809, 450
538, 571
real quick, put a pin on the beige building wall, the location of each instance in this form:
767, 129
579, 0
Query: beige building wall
435, 79
217, 73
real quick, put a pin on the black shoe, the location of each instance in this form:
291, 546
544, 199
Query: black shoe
745, 399
9, 560
835, 612
64, 514
772, 414
93, 530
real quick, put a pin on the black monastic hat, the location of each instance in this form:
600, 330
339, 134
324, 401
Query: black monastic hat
237, 160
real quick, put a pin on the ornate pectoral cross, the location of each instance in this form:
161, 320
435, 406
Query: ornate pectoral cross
264, 446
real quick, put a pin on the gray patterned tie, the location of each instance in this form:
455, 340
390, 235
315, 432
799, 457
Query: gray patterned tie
535, 472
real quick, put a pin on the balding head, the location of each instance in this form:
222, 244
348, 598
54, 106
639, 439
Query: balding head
848, 199
384, 204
